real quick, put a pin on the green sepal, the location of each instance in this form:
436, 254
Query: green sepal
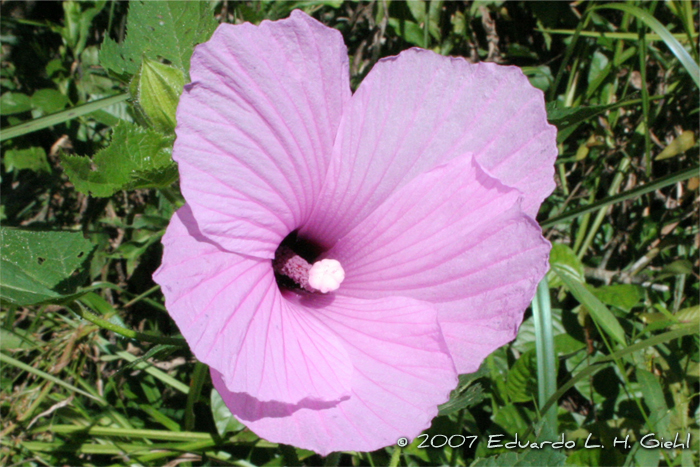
155, 91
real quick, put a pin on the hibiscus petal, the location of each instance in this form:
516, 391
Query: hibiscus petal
419, 110
457, 238
256, 128
232, 313
402, 372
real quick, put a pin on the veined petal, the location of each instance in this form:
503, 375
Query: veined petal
418, 110
402, 372
231, 312
455, 237
256, 128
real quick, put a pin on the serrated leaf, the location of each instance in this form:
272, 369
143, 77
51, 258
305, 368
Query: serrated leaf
136, 158
529, 458
33, 158
38, 266
599, 312
223, 418
159, 30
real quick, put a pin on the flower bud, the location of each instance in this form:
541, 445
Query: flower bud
156, 90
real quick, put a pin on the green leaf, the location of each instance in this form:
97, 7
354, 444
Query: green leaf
685, 141
566, 344
623, 296
417, 8
688, 315
49, 101
408, 31
596, 308
540, 76
526, 333
514, 418
14, 103
564, 257
223, 419
33, 158
598, 70
521, 384
156, 90
680, 266
16, 339
40, 266
136, 158
78, 18
529, 458
600, 363
659, 415
563, 117
159, 30
466, 394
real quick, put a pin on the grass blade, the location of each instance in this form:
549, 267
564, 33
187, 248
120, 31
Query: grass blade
646, 188
201, 371
60, 117
155, 372
627, 36
23, 366
546, 364
599, 312
103, 323
671, 42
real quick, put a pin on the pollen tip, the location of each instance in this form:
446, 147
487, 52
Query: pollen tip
326, 275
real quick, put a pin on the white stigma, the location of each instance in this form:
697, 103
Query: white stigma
326, 275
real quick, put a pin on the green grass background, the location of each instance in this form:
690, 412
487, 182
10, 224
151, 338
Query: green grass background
608, 350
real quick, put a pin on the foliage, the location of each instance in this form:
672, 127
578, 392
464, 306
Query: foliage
93, 371
136, 158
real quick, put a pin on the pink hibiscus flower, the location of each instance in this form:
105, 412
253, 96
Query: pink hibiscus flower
422, 185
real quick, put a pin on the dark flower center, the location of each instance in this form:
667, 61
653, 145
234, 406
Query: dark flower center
293, 257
